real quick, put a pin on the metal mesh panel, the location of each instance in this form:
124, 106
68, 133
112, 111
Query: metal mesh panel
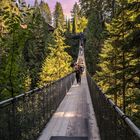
113, 123
23, 117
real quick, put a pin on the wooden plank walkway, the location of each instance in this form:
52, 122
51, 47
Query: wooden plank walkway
75, 115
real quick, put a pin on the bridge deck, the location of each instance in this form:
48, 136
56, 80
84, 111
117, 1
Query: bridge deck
74, 117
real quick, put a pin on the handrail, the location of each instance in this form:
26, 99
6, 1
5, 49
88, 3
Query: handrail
112, 122
19, 96
5, 102
133, 127
24, 116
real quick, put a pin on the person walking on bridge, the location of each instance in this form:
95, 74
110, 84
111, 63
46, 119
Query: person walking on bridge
81, 50
78, 72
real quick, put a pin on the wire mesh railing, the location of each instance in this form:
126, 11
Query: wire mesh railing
24, 116
113, 123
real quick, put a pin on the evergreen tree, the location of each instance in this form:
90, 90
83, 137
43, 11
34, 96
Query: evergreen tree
23, 46
11, 70
69, 30
57, 63
36, 46
119, 59
36, 3
79, 22
45, 10
93, 42
58, 15
97, 12
106, 8
76, 11
82, 24
74, 25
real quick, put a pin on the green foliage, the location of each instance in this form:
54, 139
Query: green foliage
112, 50
74, 25
12, 15
23, 47
35, 47
58, 15
119, 64
57, 63
27, 46
46, 13
11, 70
105, 8
79, 22
93, 42
76, 11
97, 13
73, 49
69, 26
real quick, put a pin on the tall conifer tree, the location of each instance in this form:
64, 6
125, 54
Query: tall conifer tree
74, 25
69, 30
46, 12
79, 22
58, 15
57, 64
119, 59
76, 11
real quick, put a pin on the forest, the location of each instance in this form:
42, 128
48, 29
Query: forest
36, 47
112, 50
31, 53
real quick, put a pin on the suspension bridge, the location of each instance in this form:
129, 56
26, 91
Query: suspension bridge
63, 110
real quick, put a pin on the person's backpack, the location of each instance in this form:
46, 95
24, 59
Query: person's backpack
81, 69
